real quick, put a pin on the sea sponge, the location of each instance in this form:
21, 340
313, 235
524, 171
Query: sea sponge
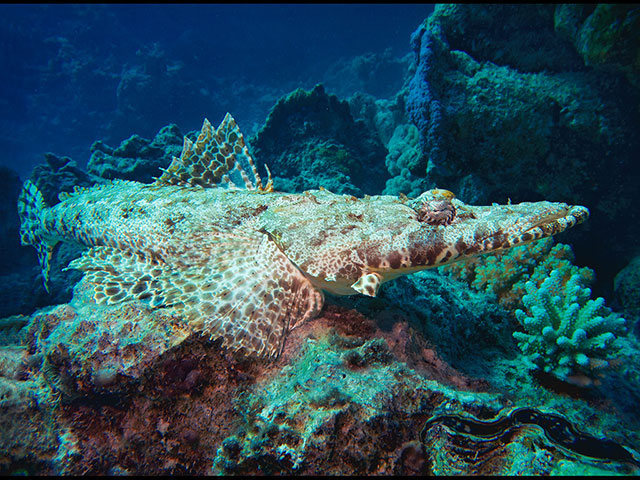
568, 334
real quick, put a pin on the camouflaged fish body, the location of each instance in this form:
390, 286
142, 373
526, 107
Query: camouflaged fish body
248, 264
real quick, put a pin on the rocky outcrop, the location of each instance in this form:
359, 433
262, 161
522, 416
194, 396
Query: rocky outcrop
136, 158
127, 389
311, 140
507, 108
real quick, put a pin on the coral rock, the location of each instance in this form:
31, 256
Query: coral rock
311, 139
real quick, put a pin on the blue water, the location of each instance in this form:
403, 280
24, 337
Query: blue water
62, 64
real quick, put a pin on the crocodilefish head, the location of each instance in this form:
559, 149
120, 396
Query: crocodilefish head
451, 230
354, 246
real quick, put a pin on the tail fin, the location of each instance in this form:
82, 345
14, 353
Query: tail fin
30, 208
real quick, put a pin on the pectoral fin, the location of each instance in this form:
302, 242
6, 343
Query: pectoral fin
368, 284
236, 285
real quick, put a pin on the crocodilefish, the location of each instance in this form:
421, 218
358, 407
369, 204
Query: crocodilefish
239, 261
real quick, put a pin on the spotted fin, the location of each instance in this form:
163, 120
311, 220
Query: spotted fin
215, 157
31, 207
368, 284
238, 286
121, 275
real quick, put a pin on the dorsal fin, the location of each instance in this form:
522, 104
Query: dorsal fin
213, 159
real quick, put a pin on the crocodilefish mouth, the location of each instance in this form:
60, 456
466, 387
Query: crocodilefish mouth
483, 229
556, 219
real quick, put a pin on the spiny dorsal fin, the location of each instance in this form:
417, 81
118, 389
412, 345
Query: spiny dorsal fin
237, 286
213, 159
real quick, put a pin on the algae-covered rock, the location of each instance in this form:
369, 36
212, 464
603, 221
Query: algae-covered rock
89, 349
606, 36
122, 389
345, 389
626, 287
311, 140
442, 309
507, 108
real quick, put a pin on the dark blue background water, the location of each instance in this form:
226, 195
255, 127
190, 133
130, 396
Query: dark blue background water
73, 74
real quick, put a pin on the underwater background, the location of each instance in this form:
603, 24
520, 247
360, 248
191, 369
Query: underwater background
524, 362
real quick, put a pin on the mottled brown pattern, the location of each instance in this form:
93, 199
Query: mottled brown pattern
247, 264
210, 160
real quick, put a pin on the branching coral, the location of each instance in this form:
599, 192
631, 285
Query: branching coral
568, 334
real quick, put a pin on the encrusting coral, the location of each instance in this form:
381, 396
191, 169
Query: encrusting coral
568, 334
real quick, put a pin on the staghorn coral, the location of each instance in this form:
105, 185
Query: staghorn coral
568, 334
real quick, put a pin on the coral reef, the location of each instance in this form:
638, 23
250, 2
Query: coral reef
488, 77
90, 350
380, 116
57, 175
125, 390
405, 162
154, 75
568, 334
311, 140
380, 75
136, 158
441, 308
21, 289
10, 186
606, 36
12, 330
88, 389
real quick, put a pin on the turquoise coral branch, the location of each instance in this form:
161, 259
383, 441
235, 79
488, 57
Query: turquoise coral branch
568, 334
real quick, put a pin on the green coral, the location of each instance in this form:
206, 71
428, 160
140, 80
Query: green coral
568, 334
